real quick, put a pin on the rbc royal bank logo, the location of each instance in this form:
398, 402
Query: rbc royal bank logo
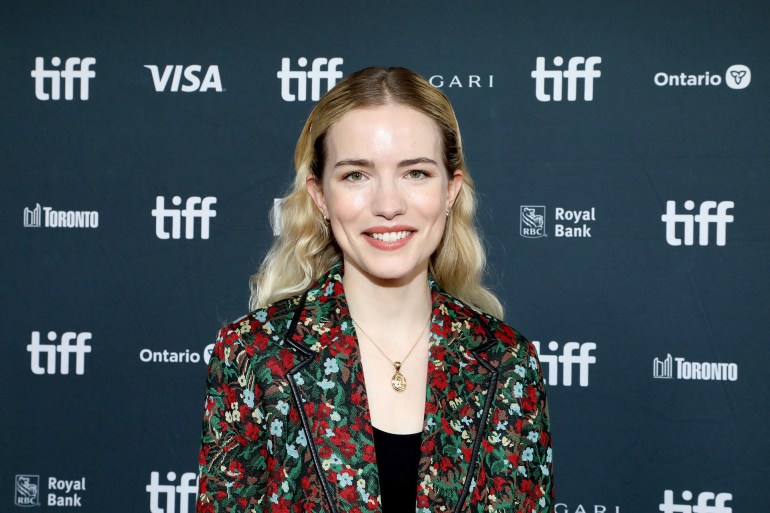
27, 490
578, 69
532, 224
321, 69
75, 69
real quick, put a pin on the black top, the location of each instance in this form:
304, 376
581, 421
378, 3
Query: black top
398, 457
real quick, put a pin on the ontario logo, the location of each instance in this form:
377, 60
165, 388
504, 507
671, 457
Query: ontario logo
27, 490
532, 224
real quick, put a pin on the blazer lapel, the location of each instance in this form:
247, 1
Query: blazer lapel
328, 382
459, 395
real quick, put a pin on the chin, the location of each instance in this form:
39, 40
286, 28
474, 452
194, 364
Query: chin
395, 274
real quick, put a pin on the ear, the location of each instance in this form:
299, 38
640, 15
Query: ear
315, 189
453, 187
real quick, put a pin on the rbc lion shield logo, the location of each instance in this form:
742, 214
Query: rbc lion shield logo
532, 224
27, 490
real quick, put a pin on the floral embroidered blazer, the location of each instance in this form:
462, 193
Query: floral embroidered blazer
287, 426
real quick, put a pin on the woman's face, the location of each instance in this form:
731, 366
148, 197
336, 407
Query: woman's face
385, 191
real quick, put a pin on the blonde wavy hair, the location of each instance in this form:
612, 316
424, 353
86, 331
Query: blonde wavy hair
305, 248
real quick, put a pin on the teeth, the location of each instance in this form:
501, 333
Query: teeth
390, 236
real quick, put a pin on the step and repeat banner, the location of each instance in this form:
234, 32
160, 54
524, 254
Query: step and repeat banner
621, 156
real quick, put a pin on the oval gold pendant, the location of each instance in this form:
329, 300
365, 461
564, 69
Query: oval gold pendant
398, 381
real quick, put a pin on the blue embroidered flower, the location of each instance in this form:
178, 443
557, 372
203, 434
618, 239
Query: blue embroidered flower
519, 370
544, 470
533, 436
329, 290
299, 379
330, 366
301, 440
518, 390
261, 315
326, 384
248, 398
292, 451
344, 479
527, 454
276, 427
282, 407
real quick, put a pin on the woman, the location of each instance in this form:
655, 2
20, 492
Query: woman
367, 378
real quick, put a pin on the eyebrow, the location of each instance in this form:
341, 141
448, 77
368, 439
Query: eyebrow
369, 164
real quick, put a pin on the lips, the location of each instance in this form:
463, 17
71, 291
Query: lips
389, 237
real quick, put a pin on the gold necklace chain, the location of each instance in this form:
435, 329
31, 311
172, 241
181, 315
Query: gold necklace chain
398, 381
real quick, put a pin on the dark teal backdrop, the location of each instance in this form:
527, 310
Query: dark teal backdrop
134, 212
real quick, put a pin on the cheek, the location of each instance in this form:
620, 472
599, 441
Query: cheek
346, 205
431, 206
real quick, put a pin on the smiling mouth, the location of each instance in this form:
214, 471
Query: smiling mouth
390, 236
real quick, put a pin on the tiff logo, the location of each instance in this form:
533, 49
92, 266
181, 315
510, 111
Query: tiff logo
211, 80
74, 69
708, 502
567, 359
65, 348
187, 490
195, 207
322, 69
578, 68
704, 219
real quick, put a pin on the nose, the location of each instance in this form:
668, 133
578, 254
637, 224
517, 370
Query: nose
388, 200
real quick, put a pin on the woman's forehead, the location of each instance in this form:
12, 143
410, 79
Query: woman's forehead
384, 131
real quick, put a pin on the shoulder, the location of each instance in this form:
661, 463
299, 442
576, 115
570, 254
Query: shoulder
257, 329
495, 338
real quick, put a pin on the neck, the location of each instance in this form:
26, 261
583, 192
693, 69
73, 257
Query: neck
391, 313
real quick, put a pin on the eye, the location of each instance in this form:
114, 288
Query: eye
417, 174
354, 176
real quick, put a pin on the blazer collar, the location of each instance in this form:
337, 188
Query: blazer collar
328, 381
